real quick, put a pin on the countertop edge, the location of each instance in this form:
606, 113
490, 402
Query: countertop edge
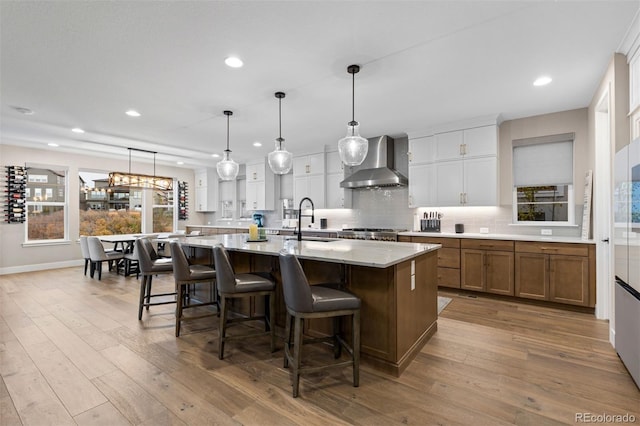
509, 237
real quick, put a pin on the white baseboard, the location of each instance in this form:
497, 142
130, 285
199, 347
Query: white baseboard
41, 267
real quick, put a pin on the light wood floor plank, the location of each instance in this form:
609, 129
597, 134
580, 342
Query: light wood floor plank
493, 361
102, 415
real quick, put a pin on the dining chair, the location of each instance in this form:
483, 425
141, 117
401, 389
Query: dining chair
306, 302
98, 255
233, 286
186, 274
84, 249
150, 264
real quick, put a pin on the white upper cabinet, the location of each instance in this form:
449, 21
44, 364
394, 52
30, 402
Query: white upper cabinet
206, 190
309, 179
311, 164
337, 197
421, 150
456, 167
260, 186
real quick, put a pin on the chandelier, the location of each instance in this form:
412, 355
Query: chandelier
136, 180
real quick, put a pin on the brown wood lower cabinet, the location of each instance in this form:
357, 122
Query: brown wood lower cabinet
487, 265
557, 272
448, 259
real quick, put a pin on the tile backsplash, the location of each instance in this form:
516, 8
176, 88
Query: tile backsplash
387, 208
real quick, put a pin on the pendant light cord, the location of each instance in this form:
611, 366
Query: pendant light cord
227, 132
353, 97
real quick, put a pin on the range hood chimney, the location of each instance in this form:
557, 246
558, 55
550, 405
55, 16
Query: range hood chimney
378, 169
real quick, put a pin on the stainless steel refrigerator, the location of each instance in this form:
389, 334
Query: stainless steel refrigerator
626, 205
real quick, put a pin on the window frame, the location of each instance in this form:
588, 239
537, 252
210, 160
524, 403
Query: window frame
558, 138
64, 204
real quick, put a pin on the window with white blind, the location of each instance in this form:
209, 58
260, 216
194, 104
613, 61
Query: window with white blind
543, 180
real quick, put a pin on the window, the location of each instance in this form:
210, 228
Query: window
543, 180
163, 211
46, 212
105, 210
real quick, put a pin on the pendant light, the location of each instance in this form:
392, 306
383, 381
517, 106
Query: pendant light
280, 160
353, 148
227, 168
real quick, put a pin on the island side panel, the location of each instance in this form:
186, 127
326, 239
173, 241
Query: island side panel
417, 311
376, 289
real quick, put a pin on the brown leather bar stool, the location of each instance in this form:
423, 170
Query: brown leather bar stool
317, 301
185, 275
150, 264
233, 286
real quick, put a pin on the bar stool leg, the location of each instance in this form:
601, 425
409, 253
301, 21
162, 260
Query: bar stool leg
356, 348
297, 355
272, 326
179, 304
143, 286
223, 324
149, 280
337, 346
287, 340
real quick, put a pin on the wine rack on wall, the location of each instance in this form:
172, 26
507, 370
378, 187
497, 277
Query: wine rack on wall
183, 201
15, 201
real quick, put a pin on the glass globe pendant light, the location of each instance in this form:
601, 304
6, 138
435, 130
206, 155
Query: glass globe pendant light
353, 148
227, 168
280, 160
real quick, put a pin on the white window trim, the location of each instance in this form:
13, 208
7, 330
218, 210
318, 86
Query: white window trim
65, 204
571, 209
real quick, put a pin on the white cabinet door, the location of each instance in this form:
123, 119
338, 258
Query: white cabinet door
255, 172
316, 163
256, 196
201, 199
422, 150
447, 145
449, 183
309, 186
481, 141
308, 164
480, 182
422, 185
200, 178
337, 197
334, 164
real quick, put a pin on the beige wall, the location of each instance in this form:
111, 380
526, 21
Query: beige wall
14, 257
575, 121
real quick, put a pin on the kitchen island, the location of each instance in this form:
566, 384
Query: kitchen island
396, 282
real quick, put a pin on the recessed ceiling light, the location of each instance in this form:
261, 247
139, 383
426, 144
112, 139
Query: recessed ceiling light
234, 62
133, 113
52, 144
23, 110
542, 81
257, 144
77, 130
180, 162
215, 155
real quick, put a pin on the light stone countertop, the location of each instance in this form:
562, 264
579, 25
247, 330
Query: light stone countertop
509, 237
377, 254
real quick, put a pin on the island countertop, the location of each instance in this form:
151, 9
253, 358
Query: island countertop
377, 254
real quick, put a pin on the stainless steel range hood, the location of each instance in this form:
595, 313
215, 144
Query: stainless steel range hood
378, 169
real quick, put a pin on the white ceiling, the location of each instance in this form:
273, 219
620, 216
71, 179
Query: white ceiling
424, 63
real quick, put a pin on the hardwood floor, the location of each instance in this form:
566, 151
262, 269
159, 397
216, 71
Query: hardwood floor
73, 352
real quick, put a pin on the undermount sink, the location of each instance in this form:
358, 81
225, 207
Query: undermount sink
318, 239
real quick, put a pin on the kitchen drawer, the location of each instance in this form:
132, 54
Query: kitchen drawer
449, 258
446, 242
553, 248
405, 239
487, 244
449, 277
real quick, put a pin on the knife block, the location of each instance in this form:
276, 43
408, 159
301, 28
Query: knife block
430, 225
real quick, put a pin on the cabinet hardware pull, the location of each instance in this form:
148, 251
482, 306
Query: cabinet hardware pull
461, 200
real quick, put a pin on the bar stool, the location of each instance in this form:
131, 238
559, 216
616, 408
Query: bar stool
98, 255
150, 264
317, 301
185, 275
234, 286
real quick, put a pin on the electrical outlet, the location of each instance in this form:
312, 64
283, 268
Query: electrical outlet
484, 230
546, 232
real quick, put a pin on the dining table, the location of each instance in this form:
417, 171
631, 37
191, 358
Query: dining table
124, 242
